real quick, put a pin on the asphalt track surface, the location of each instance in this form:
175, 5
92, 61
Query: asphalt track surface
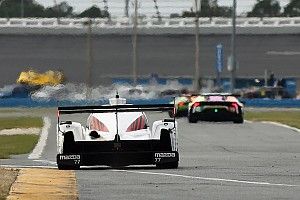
217, 161
164, 55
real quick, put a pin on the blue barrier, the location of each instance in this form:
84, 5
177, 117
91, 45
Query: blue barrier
27, 102
30, 103
273, 103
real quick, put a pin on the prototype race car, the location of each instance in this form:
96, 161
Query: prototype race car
117, 135
216, 107
181, 105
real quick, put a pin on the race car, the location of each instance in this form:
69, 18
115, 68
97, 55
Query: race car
216, 107
116, 135
181, 105
32, 77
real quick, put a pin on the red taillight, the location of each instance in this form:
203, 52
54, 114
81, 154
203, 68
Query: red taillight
235, 106
95, 124
181, 104
197, 104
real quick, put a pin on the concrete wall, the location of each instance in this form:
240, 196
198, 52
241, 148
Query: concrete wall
166, 55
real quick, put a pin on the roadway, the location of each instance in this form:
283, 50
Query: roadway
164, 54
217, 161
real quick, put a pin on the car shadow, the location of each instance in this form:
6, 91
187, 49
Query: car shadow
88, 168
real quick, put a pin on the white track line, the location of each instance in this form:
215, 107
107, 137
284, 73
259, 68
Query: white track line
208, 179
283, 53
282, 125
46, 162
37, 151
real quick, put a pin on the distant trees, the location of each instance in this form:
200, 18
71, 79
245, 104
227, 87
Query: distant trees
94, 12
292, 9
271, 8
262, 8
60, 10
209, 8
12, 8
265, 8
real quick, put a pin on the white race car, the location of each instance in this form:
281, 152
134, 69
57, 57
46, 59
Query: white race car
216, 107
117, 135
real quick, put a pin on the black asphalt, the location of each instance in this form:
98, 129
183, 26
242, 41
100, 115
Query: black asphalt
165, 55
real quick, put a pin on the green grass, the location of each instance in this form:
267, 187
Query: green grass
16, 144
291, 118
20, 122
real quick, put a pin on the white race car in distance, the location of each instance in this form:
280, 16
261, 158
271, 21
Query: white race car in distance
117, 135
216, 107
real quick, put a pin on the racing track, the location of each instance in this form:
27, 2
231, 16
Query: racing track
218, 161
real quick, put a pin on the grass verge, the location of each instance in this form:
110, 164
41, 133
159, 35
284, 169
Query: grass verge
291, 118
7, 178
20, 122
16, 144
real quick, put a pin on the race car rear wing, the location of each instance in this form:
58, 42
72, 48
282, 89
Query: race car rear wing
115, 108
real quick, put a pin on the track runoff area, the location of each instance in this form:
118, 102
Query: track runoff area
217, 161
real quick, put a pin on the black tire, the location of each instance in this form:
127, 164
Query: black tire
171, 165
165, 140
171, 114
240, 117
239, 120
192, 118
69, 143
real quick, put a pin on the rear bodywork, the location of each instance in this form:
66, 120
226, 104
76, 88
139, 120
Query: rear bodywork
216, 107
116, 136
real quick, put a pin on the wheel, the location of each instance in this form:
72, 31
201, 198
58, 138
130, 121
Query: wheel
69, 142
171, 165
171, 114
239, 120
192, 118
165, 140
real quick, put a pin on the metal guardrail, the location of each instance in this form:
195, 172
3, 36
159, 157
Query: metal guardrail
149, 26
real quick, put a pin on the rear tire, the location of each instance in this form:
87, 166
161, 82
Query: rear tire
192, 118
69, 143
165, 140
165, 145
240, 120
171, 114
